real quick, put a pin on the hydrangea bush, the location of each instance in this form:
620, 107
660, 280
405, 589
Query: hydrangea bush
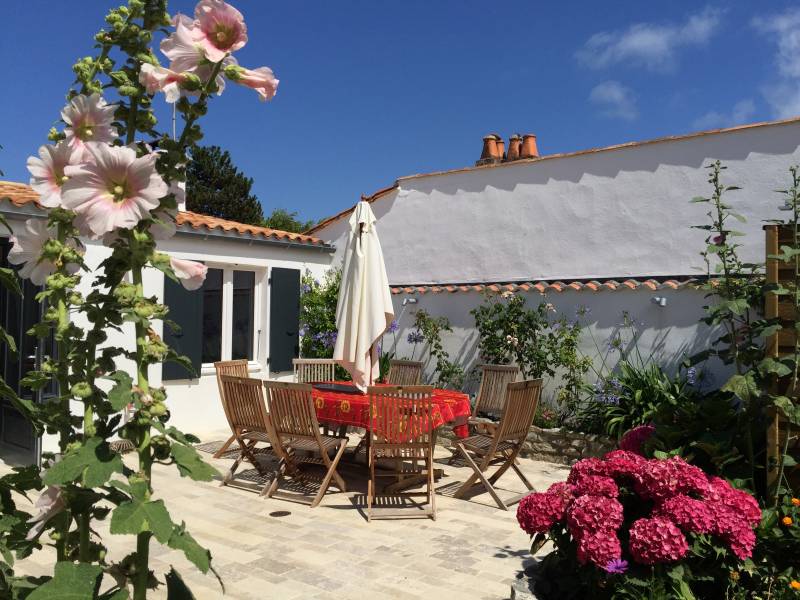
627, 526
110, 175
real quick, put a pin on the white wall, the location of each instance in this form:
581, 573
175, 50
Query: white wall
620, 213
670, 333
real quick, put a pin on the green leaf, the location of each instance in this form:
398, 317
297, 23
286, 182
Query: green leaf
183, 541
176, 588
788, 461
137, 516
121, 594
770, 365
190, 464
183, 438
10, 281
93, 462
27, 408
744, 386
70, 582
698, 199
120, 395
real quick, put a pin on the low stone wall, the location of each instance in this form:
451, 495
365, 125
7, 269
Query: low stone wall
557, 445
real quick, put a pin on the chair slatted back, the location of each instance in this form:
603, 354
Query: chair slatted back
245, 403
522, 398
492, 392
401, 414
404, 372
291, 408
307, 370
235, 368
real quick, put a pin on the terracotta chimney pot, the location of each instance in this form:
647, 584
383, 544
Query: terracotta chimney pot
501, 148
490, 154
529, 149
514, 144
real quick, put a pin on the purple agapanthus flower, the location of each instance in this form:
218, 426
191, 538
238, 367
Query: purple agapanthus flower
305, 288
394, 326
415, 337
691, 375
616, 566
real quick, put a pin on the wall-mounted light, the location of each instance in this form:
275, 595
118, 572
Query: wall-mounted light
409, 301
659, 300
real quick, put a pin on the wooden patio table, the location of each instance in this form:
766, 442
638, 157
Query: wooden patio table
351, 407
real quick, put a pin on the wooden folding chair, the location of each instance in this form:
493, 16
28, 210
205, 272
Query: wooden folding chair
404, 372
247, 414
294, 421
308, 370
402, 430
502, 446
236, 368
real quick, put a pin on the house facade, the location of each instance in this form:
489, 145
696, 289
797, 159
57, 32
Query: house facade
608, 229
247, 309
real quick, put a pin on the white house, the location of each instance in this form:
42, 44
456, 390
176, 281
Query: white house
606, 228
247, 308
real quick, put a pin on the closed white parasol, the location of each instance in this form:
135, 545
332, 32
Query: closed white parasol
365, 309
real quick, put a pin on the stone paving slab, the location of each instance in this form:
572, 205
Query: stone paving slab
270, 548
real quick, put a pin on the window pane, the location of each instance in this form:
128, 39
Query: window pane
212, 316
244, 283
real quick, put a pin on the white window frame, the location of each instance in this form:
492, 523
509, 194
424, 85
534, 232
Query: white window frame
259, 293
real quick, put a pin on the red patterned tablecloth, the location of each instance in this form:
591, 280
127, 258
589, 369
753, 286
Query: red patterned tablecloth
353, 409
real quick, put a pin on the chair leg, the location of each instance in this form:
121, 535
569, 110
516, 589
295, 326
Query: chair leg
224, 447
243, 453
340, 483
479, 475
431, 489
278, 475
370, 487
331, 473
510, 460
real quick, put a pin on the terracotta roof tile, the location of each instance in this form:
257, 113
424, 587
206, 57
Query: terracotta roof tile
21, 194
650, 284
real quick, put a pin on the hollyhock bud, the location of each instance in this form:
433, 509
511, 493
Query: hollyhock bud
262, 80
27, 248
191, 274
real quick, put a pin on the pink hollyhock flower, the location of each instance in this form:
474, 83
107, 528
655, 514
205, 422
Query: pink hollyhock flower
536, 513
88, 119
192, 274
634, 440
49, 504
656, 540
596, 485
599, 547
48, 172
688, 513
587, 466
160, 79
27, 248
593, 513
262, 80
114, 190
220, 28
181, 48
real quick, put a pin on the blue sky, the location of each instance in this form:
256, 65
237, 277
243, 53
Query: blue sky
373, 90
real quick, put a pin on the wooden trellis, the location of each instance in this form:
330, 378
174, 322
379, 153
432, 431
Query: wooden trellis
778, 345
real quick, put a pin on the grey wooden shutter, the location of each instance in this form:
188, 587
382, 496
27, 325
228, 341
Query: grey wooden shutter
284, 318
186, 310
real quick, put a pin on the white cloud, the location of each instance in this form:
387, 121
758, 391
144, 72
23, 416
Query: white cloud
648, 44
614, 100
784, 30
741, 112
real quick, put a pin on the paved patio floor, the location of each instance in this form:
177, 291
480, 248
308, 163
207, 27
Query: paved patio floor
270, 548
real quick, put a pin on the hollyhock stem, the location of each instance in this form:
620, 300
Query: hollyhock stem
143, 449
201, 101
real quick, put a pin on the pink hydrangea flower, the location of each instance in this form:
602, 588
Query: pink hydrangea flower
262, 80
661, 479
536, 513
599, 548
115, 189
593, 513
192, 274
88, 119
562, 489
621, 463
160, 79
27, 248
219, 27
722, 492
596, 485
586, 466
689, 514
741, 541
656, 540
634, 439
47, 172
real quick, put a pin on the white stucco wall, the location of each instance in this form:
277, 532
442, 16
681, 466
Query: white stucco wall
618, 213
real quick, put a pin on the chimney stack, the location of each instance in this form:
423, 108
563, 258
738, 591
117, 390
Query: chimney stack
501, 147
529, 149
490, 154
514, 145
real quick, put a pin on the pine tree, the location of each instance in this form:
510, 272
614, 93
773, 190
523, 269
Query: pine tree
282, 219
215, 187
